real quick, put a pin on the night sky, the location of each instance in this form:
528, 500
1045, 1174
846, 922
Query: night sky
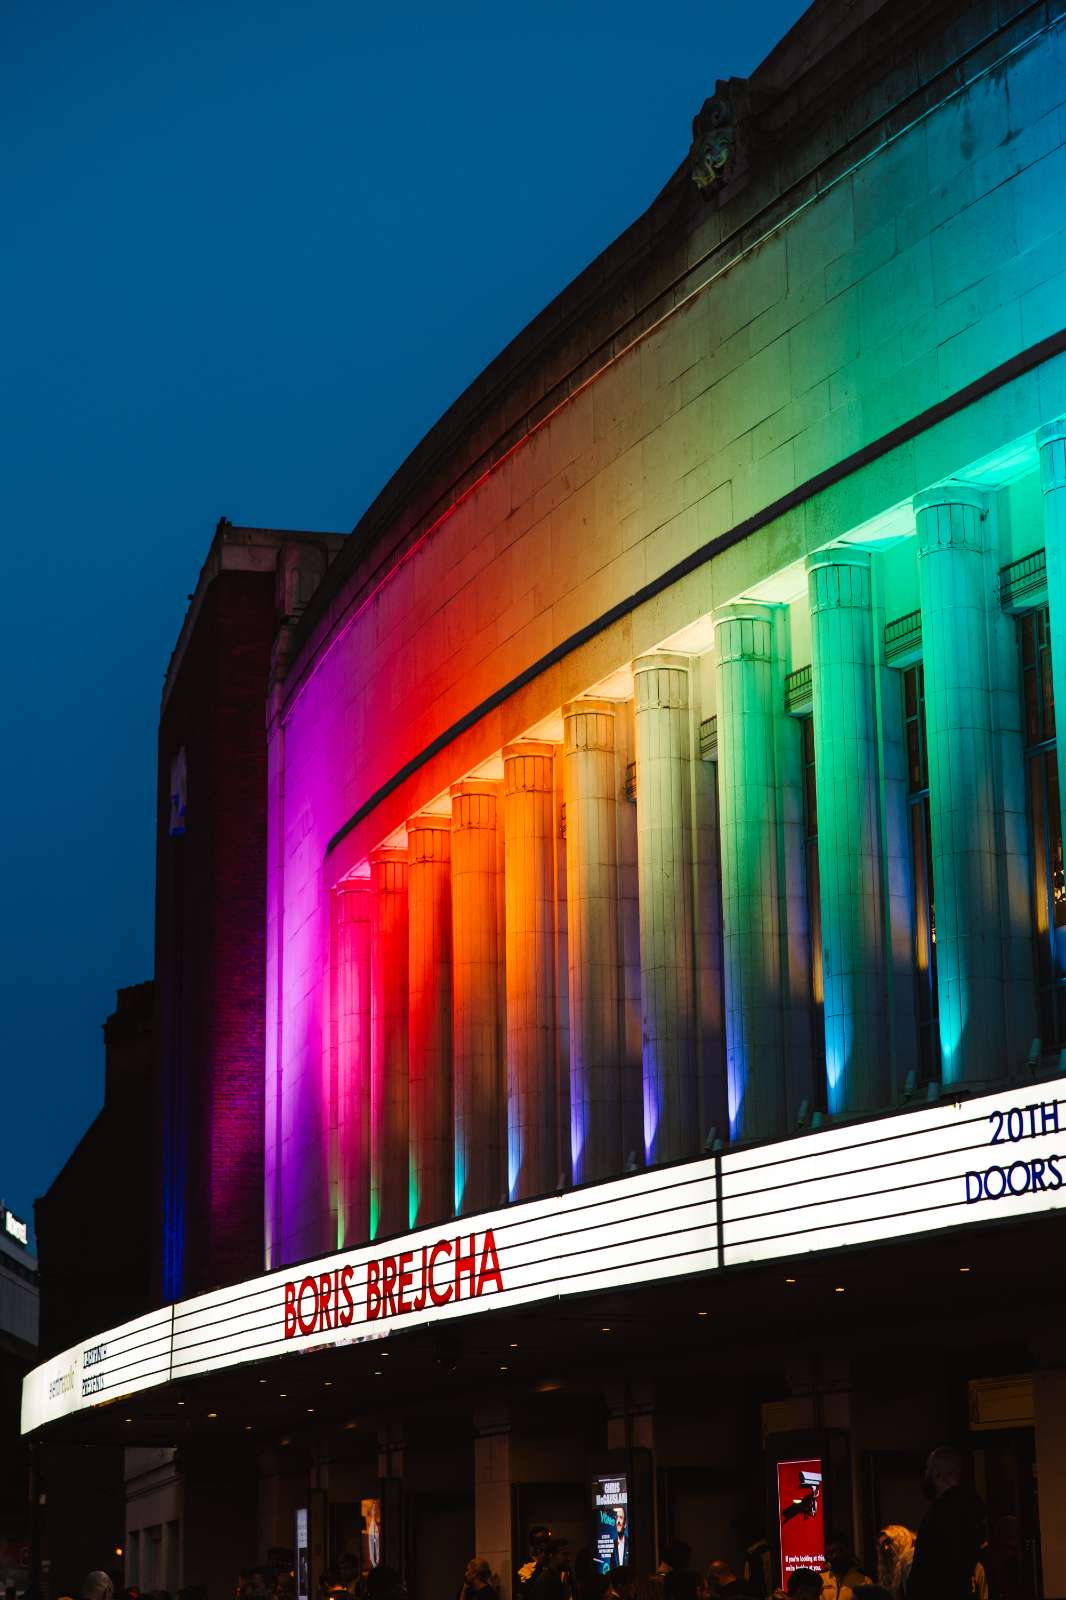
249, 253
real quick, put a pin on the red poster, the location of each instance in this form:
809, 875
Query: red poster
800, 1516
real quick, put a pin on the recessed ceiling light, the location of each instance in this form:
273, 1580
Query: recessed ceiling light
965, 1269
283, 1397
703, 1313
310, 1411
181, 1402
328, 1384
514, 1347
377, 1372
262, 1380
605, 1330
129, 1419
247, 1427
790, 1280
839, 1289
211, 1415
504, 1369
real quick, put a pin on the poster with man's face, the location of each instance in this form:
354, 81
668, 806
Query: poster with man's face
800, 1516
610, 1523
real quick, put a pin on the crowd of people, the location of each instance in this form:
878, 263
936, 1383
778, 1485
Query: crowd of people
947, 1558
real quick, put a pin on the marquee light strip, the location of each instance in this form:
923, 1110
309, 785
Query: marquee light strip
939, 1168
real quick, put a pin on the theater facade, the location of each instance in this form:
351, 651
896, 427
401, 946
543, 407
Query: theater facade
659, 1101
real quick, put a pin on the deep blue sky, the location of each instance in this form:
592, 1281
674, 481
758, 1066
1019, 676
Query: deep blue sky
249, 253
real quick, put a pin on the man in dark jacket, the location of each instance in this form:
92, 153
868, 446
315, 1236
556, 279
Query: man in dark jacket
950, 1535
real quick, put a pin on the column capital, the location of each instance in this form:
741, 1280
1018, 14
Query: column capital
656, 660
661, 680
388, 869
527, 766
1051, 448
951, 516
742, 632
475, 804
838, 579
428, 837
352, 899
351, 886
589, 724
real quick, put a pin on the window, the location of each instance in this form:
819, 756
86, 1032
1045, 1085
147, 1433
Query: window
921, 872
814, 904
1045, 824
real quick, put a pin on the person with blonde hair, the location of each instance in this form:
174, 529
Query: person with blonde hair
895, 1552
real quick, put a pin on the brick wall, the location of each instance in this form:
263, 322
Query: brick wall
210, 940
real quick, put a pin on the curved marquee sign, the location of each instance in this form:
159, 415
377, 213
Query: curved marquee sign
1001, 1156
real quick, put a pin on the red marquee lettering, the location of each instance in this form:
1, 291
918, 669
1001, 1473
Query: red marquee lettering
406, 1280
388, 1285
490, 1265
290, 1311
373, 1291
325, 1300
464, 1266
346, 1317
307, 1325
440, 1297
422, 1287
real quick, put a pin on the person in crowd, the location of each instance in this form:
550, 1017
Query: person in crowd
675, 1574
757, 1572
946, 1549
539, 1536
804, 1584
97, 1586
479, 1580
385, 1583
895, 1552
723, 1583
1008, 1570
842, 1574
553, 1581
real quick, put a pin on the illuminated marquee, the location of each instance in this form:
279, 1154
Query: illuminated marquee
939, 1168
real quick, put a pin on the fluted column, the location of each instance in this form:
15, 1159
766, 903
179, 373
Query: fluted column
955, 584
849, 831
747, 790
429, 1028
590, 784
351, 1107
1051, 444
388, 1042
664, 890
529, 884
477, 956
